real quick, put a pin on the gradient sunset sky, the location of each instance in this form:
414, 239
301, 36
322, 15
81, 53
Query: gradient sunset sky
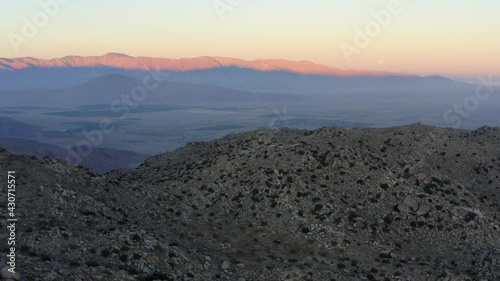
454, 38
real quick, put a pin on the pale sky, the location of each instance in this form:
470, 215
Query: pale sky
454, 38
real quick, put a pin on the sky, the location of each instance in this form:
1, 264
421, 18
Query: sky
454, 38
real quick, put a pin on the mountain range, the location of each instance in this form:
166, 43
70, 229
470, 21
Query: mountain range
122, 61
262, 75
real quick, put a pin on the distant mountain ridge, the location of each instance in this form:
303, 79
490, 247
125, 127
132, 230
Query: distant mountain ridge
109, 88
23, 138
17, 129
261, 75
126, 62
102, 159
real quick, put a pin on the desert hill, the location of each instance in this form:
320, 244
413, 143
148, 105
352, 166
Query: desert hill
403, 203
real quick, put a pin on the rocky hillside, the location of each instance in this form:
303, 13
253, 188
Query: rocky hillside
404, 203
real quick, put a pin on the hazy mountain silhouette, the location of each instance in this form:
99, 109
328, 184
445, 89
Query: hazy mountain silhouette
21, 137
17, 129
101, 159
110, 88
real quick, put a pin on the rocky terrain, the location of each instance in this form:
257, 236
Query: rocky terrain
403, 203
